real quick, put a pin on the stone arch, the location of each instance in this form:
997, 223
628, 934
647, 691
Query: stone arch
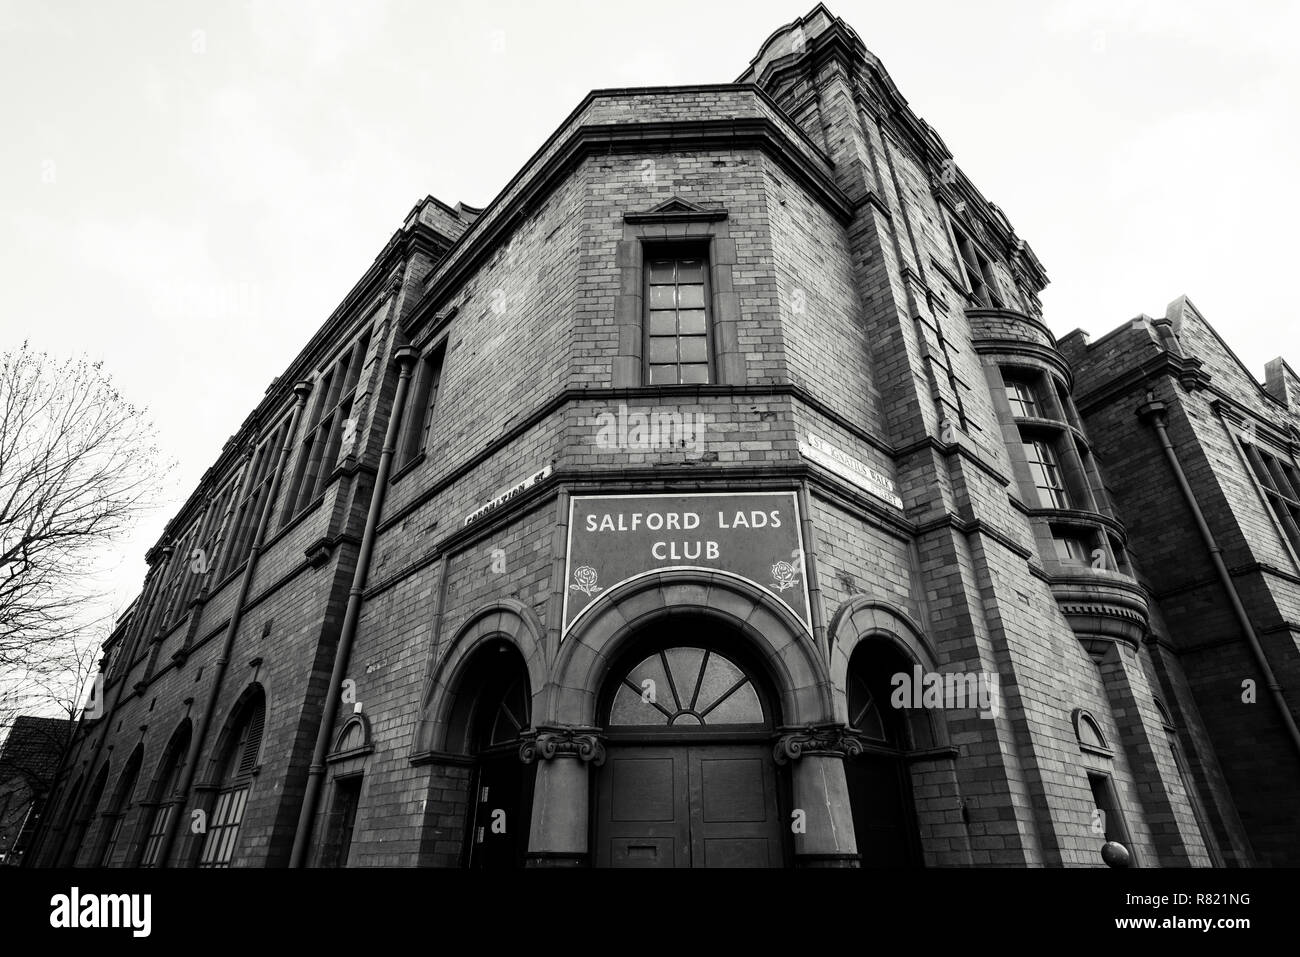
863, 618
506, 620
780, 641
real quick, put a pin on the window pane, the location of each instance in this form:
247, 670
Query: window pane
690, 270
690, 297
1073, 551
661, 271
662, 297
695, 374
631, 708
685, 666
690, 321
719, 676
663, 323
741, 707
663, 350
694, 349
663, 375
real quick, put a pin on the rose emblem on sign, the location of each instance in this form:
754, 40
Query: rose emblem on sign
783, 574
585, 580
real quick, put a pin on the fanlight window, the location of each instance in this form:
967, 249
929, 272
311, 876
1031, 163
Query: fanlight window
870, 711
686, 687
509, 717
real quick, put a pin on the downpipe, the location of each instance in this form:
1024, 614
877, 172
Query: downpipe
1153, 412
405, 357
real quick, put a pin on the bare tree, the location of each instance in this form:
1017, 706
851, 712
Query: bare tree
54, 681
78, 465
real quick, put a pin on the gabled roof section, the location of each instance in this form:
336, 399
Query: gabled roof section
1182, 311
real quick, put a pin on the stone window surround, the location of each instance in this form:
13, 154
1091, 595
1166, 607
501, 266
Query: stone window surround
677, 222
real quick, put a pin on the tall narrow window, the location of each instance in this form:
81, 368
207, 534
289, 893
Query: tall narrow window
234, 780
120, 808
1111, 820
202, 558
417, 419
342, 822
979, 271
1046, 472
331, 433
165, 795
243, 527
677, 319
82, 823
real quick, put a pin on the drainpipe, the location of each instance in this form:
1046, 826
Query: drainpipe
300, 390
1153, 411
405, 358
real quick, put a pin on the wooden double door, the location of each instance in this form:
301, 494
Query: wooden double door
688, 805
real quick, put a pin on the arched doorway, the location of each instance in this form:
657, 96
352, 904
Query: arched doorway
689, 779
880, 786
490, 712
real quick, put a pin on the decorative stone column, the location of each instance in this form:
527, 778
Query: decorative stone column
823, 832
560, 822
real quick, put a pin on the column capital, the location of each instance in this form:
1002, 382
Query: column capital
548, 742
824, 739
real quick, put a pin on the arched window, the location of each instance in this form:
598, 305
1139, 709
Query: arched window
686, 687
242, 744
1088, 732
163, 796
82, 822
65, 818
120, 805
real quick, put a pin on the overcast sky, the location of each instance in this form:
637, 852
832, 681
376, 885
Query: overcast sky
187, 190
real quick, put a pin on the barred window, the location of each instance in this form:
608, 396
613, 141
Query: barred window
677, 318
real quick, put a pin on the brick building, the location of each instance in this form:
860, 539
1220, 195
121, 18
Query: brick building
1166, 402
29, 761
716, 495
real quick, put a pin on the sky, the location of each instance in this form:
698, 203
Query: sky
188, 190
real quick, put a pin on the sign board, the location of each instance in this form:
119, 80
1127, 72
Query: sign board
615, 538
847, 467
506, 495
